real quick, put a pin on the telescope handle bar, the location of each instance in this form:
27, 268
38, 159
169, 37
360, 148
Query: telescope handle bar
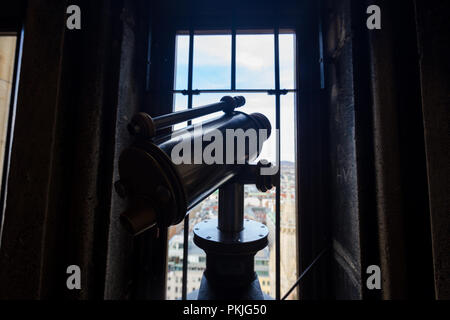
145, 126
226, 104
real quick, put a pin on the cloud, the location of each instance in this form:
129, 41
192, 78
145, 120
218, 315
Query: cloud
212, 50
254, 52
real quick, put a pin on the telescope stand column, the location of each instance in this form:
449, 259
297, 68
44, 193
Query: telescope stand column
230, 243
231, 208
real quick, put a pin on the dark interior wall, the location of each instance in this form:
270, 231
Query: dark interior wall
11, 15
380, 92
403, 180
312, 154
73, 82
401, 185
434, 50
22, 254
345, 213
119, 279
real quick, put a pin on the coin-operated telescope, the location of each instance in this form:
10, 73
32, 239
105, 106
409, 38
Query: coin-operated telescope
163, 175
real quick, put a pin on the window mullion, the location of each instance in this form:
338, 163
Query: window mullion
190, 67
186, 219
233, 59
278, 148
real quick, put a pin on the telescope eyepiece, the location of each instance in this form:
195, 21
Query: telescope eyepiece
142, 125
262, 122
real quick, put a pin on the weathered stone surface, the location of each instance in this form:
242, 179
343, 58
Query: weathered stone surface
344, 183
434, 48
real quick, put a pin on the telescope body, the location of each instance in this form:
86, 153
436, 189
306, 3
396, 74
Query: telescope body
161, 191
164, 176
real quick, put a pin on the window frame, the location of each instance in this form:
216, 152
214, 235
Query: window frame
311, 142
277, 92
17, 31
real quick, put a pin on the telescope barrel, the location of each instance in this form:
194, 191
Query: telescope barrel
200, 179
144, 125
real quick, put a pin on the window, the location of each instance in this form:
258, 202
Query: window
7, 64
256, 65
7, 57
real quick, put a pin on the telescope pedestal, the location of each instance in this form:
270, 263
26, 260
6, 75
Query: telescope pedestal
230, 272
209, 292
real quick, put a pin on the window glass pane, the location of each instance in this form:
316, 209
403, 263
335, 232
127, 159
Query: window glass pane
287, 65
175, 262
260, 206
7, 57
265, 104
208, 98
176, 233
212, 62
288, 215
255, 61
182, 62
207, 209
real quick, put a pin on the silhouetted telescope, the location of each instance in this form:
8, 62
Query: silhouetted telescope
164, 175
162, 192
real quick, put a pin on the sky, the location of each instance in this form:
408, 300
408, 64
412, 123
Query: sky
254, 70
